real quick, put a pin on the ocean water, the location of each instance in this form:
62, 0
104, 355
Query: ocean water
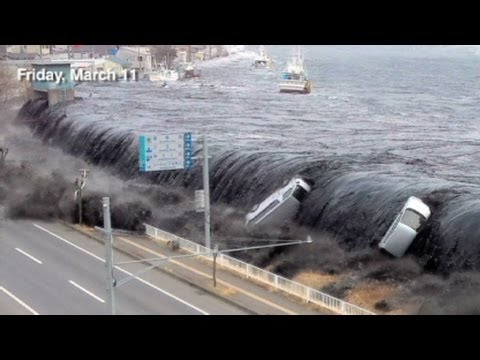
383, 123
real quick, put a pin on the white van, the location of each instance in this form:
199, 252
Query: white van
282, 205
405, 228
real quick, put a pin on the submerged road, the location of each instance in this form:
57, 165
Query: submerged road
46, 268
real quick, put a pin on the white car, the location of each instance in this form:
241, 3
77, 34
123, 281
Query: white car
405, 228
282, 205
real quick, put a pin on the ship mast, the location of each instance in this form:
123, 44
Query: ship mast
299, 57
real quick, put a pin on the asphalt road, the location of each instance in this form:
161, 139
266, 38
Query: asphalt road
47, 268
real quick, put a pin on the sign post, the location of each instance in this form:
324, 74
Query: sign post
107, 227
166, 152
173, 152
206, 190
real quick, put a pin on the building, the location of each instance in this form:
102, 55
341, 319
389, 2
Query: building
82, 51
199, 56
137, 57
107, 63
55, 92
113, 64
40, 50
182, 56
189, 53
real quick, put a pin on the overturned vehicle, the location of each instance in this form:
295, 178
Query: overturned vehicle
281, 206
405, 227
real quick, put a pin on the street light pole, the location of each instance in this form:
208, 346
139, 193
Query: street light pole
107, 226
206, 191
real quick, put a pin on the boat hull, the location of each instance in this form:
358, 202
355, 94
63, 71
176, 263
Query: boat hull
296, 86
155, 77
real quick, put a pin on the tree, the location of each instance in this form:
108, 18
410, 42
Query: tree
4, 85
10, 87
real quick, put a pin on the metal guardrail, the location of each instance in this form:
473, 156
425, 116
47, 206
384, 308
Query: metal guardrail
253, 272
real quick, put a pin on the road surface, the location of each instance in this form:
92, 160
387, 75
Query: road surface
46, 268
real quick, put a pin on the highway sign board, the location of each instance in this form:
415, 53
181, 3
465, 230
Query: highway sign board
166, 152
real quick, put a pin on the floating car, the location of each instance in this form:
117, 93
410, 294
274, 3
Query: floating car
405, 228
282, 205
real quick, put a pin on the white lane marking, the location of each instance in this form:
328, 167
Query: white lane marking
124, 271
208, 276
18, 300
28, 255
86, 291
163, 291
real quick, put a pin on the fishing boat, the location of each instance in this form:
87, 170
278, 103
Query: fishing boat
163, 73
294, 79
263, 60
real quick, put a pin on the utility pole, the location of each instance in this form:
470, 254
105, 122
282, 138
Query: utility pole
78, 196
80, 183
206, 190
107, 227
139, 59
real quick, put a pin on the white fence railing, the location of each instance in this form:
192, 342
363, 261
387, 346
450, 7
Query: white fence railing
252, 272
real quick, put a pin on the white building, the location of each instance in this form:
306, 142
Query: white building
138, 57
30, 49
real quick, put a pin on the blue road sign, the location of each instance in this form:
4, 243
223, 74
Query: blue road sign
188, 150
166, 152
